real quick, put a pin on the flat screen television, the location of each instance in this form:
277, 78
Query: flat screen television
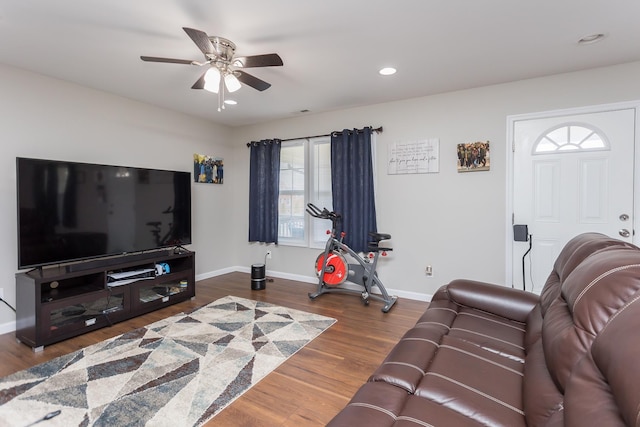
70, 211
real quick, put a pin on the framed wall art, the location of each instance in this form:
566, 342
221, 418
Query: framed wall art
208, 169
474, 156
411, 157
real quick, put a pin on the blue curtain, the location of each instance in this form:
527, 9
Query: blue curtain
352, 185
264, 179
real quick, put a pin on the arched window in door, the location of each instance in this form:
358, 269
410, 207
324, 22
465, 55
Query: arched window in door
570, 137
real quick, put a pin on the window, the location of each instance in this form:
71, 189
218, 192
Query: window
305, 177
570, 138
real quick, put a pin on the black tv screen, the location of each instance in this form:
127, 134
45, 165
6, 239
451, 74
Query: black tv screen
70, 211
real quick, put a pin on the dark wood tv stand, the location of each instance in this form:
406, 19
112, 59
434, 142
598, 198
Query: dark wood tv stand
56, 303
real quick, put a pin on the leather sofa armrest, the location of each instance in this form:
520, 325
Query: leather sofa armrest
510, 303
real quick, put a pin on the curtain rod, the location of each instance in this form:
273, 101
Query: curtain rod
377, 130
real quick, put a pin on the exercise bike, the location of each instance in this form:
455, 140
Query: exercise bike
333, 269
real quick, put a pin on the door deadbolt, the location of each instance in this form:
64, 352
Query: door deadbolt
624, 217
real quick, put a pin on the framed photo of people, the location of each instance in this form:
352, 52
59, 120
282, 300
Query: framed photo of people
474, 156
208, 169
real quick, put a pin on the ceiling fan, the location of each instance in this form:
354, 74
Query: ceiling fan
223, 73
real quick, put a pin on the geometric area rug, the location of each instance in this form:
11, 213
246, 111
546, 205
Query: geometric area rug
179, 371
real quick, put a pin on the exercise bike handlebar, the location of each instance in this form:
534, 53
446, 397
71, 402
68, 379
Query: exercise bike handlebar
316, 212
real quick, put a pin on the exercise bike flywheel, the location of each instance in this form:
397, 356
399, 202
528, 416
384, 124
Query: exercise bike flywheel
336, 270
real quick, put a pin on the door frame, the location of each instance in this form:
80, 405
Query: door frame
509, 147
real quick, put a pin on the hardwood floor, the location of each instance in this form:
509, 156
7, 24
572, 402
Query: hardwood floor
310, 387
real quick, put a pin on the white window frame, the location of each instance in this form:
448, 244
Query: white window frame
565, 145
310, 194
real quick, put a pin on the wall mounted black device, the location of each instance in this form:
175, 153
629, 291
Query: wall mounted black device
521, 234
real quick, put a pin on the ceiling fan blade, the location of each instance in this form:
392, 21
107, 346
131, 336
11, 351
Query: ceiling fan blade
168, 60
252, 81
266, 60
201, 39
200, 83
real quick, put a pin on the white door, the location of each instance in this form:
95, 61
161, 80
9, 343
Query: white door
572, 174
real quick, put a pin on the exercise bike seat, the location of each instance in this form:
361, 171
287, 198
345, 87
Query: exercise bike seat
379, 236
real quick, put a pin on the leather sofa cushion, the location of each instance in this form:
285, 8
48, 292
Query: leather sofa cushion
458, 379
448, 355
502, 301
604, 389
490, 332
596, 289
571, 255
542, 402
408, 361
480, 331
384, 405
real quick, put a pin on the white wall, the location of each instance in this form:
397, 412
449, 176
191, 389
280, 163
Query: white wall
47, 118
454, 222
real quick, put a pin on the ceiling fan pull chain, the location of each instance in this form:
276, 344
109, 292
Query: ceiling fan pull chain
220, 93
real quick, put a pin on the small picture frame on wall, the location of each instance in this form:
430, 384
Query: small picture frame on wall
474, 157
208, 169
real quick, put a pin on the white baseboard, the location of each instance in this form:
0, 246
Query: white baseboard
215, 273
5, 328
312, 279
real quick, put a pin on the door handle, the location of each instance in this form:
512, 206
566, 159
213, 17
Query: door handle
624, 232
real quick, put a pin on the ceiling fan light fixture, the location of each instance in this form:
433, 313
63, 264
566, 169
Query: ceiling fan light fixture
231, 82
211, 87
212, 80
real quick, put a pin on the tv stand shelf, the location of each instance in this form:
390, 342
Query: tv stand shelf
56, 303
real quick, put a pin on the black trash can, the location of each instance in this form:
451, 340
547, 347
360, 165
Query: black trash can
258, 277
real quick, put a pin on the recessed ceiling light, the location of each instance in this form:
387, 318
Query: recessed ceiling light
230, 102
387, 71
591, 38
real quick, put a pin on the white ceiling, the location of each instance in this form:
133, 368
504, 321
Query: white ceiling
332, 49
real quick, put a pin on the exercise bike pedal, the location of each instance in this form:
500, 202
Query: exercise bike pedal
365, 297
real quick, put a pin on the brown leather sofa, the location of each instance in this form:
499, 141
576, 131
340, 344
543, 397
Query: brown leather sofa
488, 355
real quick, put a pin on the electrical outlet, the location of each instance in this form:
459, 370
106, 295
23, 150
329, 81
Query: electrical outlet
268, 254
428, 271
